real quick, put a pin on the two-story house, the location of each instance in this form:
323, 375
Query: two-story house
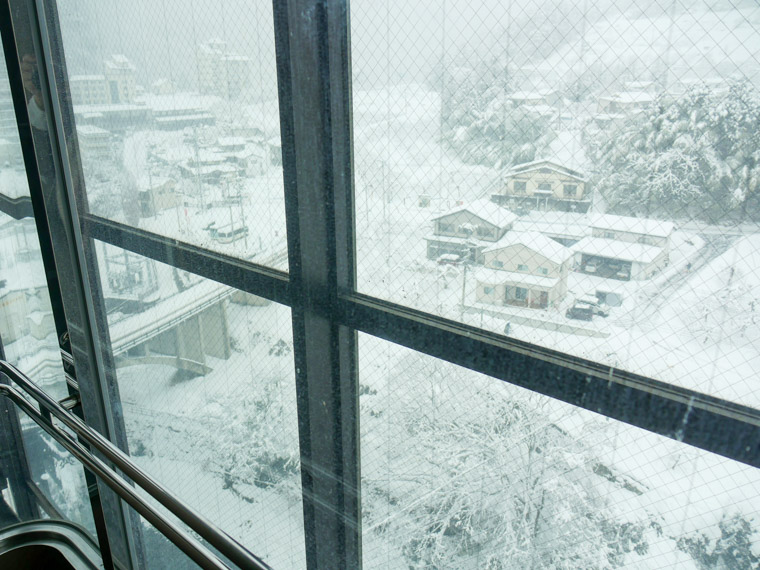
524, 269
624, 248
545, 185
468, 229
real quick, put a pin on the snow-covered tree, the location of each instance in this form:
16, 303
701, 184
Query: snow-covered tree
479, 122
729, 547
494, 484
697, 155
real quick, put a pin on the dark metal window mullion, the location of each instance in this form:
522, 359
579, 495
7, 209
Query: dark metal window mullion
315, 167
54, 167
14, 34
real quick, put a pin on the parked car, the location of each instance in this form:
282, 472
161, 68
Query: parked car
580, 311
597, 307
449, 259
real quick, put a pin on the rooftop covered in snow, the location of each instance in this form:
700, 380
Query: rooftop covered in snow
538, 164
643, 226
486, 210
612, 249
535, 241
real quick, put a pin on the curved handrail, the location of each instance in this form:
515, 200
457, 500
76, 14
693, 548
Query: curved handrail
212, 534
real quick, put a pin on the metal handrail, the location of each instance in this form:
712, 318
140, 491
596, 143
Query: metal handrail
212, 534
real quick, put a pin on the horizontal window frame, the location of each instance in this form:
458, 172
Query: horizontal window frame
706, 422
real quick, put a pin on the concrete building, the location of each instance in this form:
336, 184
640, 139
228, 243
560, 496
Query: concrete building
89, 90
545, 185
120, 76
523, 269
221, 72
95, 143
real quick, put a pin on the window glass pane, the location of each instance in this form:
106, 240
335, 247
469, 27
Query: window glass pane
613, 144
27, 329
57, 474
517, 480
176, 112
206, 383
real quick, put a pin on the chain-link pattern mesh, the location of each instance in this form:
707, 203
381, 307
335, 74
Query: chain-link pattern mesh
206, 381
177, 119
581, 175
461, 471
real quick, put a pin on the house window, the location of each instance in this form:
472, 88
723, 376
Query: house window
447, 228
570, 190
487, 290
522, 267
521, 293
519, 187
543, 270
545, 187
497, 263
484, 232
609, 235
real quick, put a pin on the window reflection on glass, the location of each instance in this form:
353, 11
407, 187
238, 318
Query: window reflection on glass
620, 137
177, 120
206, 379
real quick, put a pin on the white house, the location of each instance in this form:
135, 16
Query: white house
632, 230
622, 247
524, 269
621, 260
468, 229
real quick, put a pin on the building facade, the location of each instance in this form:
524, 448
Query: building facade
468, 229
221, 72
526, 269
545, 185
120, 76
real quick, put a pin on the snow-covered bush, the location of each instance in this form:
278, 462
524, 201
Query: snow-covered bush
695, 155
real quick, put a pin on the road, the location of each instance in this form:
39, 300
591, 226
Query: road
650, 301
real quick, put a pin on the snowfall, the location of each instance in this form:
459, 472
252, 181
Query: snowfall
227, 442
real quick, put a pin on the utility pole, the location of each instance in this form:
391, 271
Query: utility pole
464, 285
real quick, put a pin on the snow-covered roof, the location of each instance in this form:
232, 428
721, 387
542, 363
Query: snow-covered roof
499, 277
485, 210
634, 97
538, 164
613, 249
119, 61
91, 130
642, 226
234, 57
472, 242
182, 118
145, 182
534, 241
230, 141
523, 95
76, 78
565, 224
